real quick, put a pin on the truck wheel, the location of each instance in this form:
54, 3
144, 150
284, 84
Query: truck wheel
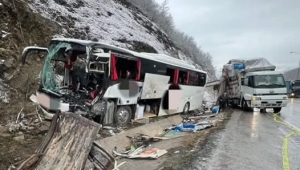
244, 105
123, 115
263, 110
250, 109
277, 109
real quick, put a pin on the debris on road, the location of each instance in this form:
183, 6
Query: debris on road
4, 92
100, 159
194, 123
19, 138
69, 134
172, 133
24, 122
69, 131
112, 132
142, 152
143, 140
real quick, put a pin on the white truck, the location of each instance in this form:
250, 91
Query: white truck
254, 84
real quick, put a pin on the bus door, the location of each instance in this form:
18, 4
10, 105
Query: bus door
154, 86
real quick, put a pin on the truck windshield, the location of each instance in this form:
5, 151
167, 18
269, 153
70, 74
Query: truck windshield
269, 81
297, 84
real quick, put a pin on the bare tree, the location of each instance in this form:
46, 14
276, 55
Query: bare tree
160, 15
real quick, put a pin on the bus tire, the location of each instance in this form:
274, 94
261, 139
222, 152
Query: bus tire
186, 108
123, 115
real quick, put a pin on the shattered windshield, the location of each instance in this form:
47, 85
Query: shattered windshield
61, 55
269, 81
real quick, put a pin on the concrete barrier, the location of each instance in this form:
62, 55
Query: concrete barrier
121, 141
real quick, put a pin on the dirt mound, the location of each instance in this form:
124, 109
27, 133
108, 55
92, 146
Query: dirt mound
20, 27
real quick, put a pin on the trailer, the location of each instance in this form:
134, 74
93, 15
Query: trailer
253, 84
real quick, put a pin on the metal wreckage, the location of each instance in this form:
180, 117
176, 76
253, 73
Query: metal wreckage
74, 78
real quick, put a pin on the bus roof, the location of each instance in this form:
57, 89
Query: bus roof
162, 58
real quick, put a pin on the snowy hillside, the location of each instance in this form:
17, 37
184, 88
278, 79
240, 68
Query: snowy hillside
292, 75
105, 20
108, 21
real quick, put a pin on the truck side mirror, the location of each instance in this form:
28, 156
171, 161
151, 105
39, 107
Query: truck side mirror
243, 81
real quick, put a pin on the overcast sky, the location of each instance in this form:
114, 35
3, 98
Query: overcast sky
242, 29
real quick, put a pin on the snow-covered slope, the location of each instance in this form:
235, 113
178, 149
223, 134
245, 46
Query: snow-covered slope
292, 75
113, 22
105, 20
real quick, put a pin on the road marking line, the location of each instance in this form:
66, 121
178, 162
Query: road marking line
285, 157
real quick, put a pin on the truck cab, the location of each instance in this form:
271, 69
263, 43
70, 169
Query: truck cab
295, 89
263, 89
288, 85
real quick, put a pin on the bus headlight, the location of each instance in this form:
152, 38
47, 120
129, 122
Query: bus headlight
292, 94
253, 98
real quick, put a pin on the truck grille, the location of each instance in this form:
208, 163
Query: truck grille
266, 105
269, 94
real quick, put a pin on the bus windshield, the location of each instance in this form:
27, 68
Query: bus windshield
66, 67
269, 81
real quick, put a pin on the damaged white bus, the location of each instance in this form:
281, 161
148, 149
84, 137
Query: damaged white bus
113, 85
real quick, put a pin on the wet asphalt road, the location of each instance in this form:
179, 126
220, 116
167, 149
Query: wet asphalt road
252, 140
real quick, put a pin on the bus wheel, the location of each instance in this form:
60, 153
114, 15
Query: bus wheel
123, 115
186, 108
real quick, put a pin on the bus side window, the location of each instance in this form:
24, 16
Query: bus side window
201, 79
192, 79
127, 69
170, 72
182, 77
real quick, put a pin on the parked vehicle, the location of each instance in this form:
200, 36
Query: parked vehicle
295, 89
289, 88
114, 84
254, 84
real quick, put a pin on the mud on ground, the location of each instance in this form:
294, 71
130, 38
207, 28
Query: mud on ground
18, 146
22, 27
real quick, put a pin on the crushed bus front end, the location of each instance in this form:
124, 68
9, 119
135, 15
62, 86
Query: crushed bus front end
73, 78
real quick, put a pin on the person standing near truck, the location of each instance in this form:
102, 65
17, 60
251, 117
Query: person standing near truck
221, 102
226, 101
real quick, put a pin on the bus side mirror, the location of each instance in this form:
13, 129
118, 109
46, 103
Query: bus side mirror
29, 49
